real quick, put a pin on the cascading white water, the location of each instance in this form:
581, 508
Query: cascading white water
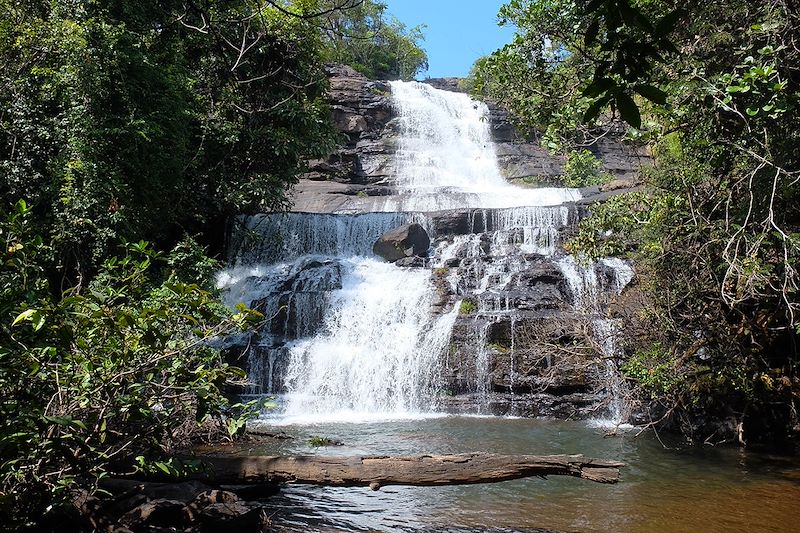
270, 237
356, 335
446, 158
445, 140
582, 282
586, 288
378, 350
515, 234
348, 336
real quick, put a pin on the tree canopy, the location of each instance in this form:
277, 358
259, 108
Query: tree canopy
714, 88
373, 42
146, 119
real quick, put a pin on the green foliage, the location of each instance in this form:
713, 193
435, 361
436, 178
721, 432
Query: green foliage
374, 43
622, 225
467, 307
497, 347
146, 119
135, 122
655, 371
602, 51
120, 368
317, 441
714, 233
583, 169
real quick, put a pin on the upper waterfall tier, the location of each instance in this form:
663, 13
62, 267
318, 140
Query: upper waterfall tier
446, 159
444, 142
416, 148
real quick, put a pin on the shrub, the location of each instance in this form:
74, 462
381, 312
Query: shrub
317, 441
105, 376
583, 169
467, 307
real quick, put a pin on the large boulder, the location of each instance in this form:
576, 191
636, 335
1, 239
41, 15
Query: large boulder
406, 241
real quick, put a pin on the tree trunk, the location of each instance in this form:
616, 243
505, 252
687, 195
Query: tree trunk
418, 470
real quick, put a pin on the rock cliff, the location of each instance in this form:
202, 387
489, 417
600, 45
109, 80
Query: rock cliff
530, 332
356, 176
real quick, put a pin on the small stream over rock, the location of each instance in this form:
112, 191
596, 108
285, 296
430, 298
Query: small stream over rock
494, 319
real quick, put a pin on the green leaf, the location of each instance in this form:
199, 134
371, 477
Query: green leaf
590, 35
633, 17
67, 421
595, 108
23, 316
652, 93
34, 316
628, 110
598, 87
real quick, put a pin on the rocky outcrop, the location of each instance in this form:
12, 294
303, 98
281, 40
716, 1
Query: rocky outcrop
128, 505
356, 177
403, 242
362, 111
520, 345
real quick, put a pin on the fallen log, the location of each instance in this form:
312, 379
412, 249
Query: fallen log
416, 470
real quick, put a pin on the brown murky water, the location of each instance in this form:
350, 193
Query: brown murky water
663, 490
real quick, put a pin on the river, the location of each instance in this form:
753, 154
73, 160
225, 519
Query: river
666, 489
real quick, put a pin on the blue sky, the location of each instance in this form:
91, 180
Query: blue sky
458, 31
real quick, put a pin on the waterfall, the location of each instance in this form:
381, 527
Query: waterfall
446, 157
586, 288
269, 237
582, 282
347, 336
445, 140
377, 352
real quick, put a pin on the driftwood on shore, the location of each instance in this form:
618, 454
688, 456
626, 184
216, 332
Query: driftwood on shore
417, 470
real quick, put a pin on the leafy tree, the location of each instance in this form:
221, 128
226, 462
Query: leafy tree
133, 121
147, 119
713, 87
376, 44
92, 380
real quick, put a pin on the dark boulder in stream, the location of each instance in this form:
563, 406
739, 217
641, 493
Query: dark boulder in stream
408, 240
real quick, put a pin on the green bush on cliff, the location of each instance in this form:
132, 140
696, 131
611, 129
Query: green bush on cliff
583, 169
467, 307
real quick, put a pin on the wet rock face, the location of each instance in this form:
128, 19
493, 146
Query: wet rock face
518, 340
404, 242
361, 170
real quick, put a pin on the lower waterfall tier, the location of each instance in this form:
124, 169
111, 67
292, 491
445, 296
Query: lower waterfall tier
498, 319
